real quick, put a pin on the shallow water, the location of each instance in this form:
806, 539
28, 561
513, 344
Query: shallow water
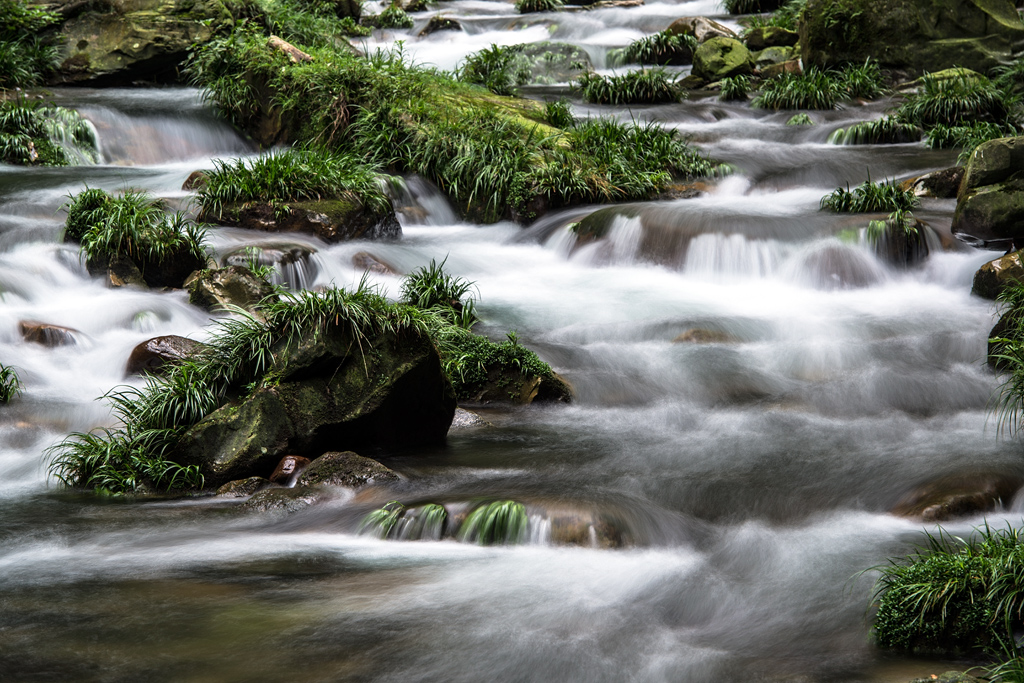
750, 479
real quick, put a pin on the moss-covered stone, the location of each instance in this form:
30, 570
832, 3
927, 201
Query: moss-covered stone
990, 206
763, 37
995, 276
335, 394
332, 220
347, 469
923, 35
720, 58
216, 289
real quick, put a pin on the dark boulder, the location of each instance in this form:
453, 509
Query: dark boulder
285, 500
347, 470
241, 488
700, 28
995, 276
152, 354
46, 334
957, 495
990, 205
439, 22
332, 220
337, 393
220, 288
944, 184
293, 264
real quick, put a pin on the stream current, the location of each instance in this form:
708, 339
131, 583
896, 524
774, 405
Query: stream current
752, 478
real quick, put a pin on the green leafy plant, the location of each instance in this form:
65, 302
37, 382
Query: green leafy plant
10, 385
662, 49
499, 68
42, 134
381, 522
959, 99
800, 119
24, 58
646, 86
884, 131
530, 6
812, 89
862, 81
350, 28
497, 523
787, 16
751, 6
735, 88
559, 114
967, 137
392, 17
870, 197
430, 288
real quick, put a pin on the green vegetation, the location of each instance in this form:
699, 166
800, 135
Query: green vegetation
392, 17
528, 6
751, 6
800, 119
646, 86
500, 68
884, 131
498, 523
45, 135
396, 521
817, 89
787, 16
955, 596
957, 100
661, 49
290, 176
133, 226
350, 28
494, 157
381, 522
870, 197
1008, 352
10, 385
559, 114
24, 58
735, 88
430, 288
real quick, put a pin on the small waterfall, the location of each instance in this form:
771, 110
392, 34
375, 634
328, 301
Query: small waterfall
294, 265
717, 254
418, 202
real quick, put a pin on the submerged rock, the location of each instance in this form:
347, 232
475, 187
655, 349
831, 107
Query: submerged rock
699, 335
46, 334
949, 677
220, 288
367, 261
347, 469
957, 495
332, 220
333, 394
990, 206
439, 22
720, 58
152, 354
465, 419
995, 276
285, 500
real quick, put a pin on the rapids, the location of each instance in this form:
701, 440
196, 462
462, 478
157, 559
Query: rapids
751, 478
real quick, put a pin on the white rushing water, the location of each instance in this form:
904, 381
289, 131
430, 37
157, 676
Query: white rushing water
751, 476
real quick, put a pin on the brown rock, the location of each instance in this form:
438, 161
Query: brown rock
346, 469
698, 335
440, 23
957, 495
295, 55
288, 469
285, 500
240, 488
995, 276
612, 4
195, 181
774, 70
47, 334
942, 184
700, 28
152, 354
368, 261
220, 288
122, 272
332, 220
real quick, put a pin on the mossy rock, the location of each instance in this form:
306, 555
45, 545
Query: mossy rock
511, 385
720, 58
990, 206
332, 220
217, 289
132, 40
764, 37
334, 394
996, 276
773, 55
284, 499
347, 469
921, 35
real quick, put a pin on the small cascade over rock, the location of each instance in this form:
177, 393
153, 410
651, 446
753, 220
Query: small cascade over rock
834, 265
294, 265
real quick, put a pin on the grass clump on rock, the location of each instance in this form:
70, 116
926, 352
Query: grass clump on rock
531, 6
812, 89
735, 89
884, 131
499, 68
33, 133
393, 17
870, 197
661, 49
646, 86
493, 156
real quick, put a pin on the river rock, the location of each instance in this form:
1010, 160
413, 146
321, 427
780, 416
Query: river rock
46, 334
466, 419
720, 58
347, 469
771, 56
901, 247
509, 384
220, 288
993, 277
196, 181
700, 28
439, 22
241, 488
613, 4
131, 40
332, 220
293, 264
763, 37
367, 261
288, 469
285, 499
122, 272
793, 66
332, 394
920, 35
990, 205
944, 184
958, 495
949, 677
699, 335
150, 356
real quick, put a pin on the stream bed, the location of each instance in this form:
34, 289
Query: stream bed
750, 479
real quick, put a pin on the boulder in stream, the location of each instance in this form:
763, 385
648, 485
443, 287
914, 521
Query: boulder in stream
763, 37
241, 488
151, 355
220, 288
439, 22
46, 334
719, 58
701, 28
995, 276
958, 495
347, 470
944, 184
990, 205
276, 499
332, 220
288, 470
333, 394
367, 261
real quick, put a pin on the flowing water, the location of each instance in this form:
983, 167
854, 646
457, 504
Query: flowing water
749, 478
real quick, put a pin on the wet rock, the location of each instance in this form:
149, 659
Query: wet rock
46, 334
613, 4
196, 181
701, 28
333, 394
720, 58
294, 54
583, 528
132, 40
465, 419
691, 82
332, 220
920, 35
775, 70
220, 288
772, 56
948, 677
505, 384
152, 354
993, 277
285, 500
241, 488
990, 204
439, 22
764, 37
944, 184
902, 246
837, 266
703, 336
416, 6
957, 495
122, 272
170, 272
367, 261
289, 469
293, 264
345, 469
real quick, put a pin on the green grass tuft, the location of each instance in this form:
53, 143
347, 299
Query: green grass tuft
393, 17
24, 58
800, 119
887, 130
812, 89
870, 197
499, 68
498, 523
660, 49
955, 100
646, 86
530, 6
735, 89
787, 16
10, 385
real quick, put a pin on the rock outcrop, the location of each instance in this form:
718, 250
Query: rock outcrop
332, 220
990, 205
218, 289
151, 355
